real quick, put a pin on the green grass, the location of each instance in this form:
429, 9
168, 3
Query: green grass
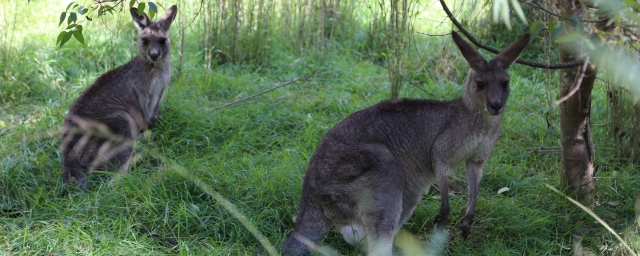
254, 154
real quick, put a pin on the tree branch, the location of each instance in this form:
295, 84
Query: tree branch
400, 75
496, 51
578, 83
535, 5
307, 77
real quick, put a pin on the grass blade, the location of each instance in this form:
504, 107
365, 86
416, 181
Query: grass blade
593, 214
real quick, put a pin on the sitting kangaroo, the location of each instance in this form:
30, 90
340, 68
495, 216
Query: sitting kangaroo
369, 172
102, 125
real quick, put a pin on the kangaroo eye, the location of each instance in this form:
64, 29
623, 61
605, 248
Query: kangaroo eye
505, 85
480, 86
145, 41
162, 41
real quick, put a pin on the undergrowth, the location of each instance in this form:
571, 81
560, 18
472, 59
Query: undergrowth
200, 159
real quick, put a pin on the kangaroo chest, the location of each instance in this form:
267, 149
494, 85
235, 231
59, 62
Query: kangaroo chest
477, 146
149, 89
156, 89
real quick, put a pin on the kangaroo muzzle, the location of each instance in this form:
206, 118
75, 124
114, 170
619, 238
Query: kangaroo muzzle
495, 108
154, 54
495, 99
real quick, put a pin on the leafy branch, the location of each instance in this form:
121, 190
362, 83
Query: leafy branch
494, 50
99, 8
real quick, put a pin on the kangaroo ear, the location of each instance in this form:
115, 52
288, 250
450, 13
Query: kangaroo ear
140, 21
476, 61
507, 56
168, 17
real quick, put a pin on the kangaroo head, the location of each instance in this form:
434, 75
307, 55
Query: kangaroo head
487, 85
153, 39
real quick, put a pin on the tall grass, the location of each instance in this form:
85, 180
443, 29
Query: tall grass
248, 31
624, 123
401, 16
199, 158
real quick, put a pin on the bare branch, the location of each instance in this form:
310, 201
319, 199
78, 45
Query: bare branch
576, 86
433, 34
400, 75
537, 6
496, 51
630, 34
271, 89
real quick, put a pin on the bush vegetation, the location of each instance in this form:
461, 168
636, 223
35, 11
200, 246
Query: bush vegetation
207, 173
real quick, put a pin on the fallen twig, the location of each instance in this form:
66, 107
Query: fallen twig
271, 89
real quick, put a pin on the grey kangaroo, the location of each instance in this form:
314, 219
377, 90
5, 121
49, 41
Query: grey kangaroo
103, 124
369, 172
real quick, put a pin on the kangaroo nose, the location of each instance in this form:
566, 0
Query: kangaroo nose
495, 108
154, 55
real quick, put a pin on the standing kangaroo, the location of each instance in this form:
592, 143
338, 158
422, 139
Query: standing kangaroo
102, 125
369, 172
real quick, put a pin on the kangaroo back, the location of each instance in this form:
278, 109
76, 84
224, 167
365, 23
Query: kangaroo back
369, 172
103, 124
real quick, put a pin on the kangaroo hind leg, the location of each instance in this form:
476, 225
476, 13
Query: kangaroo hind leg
311, 227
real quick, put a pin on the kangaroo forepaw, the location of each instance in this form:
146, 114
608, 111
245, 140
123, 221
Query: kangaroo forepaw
152, 123
466, 226
441, 223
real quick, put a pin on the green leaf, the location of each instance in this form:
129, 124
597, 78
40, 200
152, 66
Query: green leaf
504, 13
551, 26
632, 4
72, 18
78, 34
109, 9
62, 16
153, 9
518, 9
140, 9
60, 36
501, 10
535, 28
69, 6
558, 29
481, 203
568, 37
497, 4
131, 4
81, 10
635, 239
70, 27
104, 9
65, 38
579, 24
634, 16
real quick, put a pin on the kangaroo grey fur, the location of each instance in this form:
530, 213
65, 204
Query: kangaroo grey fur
369, 172
103, 124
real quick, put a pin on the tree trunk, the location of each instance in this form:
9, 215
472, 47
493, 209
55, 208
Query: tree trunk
577, 146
